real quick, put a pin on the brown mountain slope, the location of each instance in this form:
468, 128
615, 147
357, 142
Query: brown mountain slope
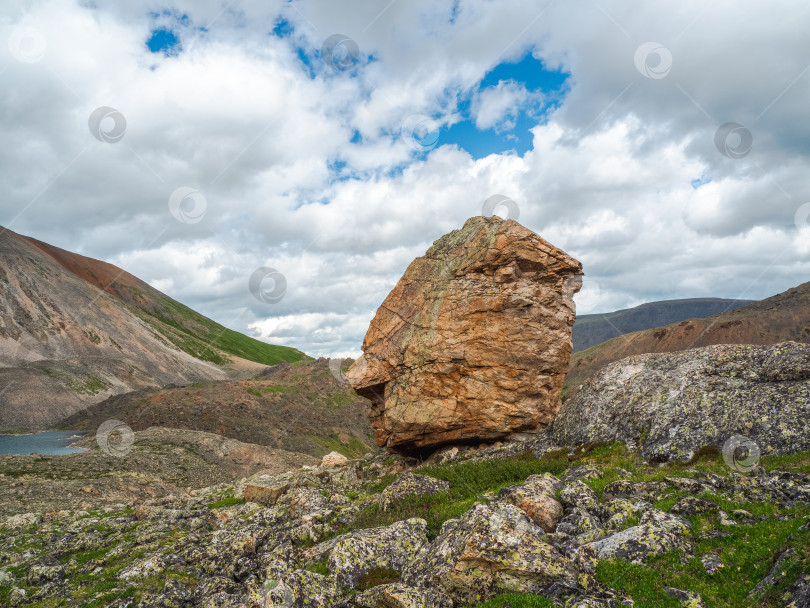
65, 343
780, 318
188, 330
301, 408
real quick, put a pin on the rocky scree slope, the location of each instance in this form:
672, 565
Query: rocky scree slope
780, 318
599, 530
66, 338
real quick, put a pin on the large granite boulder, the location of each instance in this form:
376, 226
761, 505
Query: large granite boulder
744, 400
474, 341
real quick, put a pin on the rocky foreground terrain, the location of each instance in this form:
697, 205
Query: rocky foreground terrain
511, 525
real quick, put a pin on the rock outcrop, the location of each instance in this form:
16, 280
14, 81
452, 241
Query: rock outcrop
316, 538
669, 406
474, 341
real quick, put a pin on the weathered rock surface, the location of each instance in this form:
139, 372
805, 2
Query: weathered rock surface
393, 547
671, 405
206, 550
488, 550
535, 497
474, 341
410, 484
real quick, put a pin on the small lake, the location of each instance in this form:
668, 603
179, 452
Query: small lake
48, 442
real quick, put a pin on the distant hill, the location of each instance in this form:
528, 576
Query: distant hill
780, 318
301, 408
590, 330
74, 331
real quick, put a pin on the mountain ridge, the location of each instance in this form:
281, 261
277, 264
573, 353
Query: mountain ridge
66, 342
783, 317
592, 329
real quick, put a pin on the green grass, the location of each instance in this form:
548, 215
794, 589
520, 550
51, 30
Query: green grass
207, 340
321, 567
377, 576
228, 501
747, 556
85, 385
516, 600
354, 449
468, 482
259, 391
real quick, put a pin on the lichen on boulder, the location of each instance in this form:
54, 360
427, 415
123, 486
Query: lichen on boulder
669, 406
474, 341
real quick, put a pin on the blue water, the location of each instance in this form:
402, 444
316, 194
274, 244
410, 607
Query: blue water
49, 442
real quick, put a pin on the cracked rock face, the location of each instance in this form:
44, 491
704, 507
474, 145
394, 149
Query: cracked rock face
671, 405
474, 341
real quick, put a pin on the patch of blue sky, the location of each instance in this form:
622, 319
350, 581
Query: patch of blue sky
700, 181
547, 89
163, 38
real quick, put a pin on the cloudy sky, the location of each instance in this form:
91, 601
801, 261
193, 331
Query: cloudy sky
193, 142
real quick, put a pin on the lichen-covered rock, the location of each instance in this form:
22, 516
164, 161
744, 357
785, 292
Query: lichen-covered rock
578, 521
304, 589
410, 484
687, 484
23, 519
45, 570
671, 405
799, 593
690, 505
657, 533
651, 491
619, 511
535, 497
578, 494
474, 341
398, 595
688, 599
711, 563
491, 549
585, 471
354, 554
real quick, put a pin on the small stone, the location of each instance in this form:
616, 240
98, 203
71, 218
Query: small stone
333, 459
410, 484
689, 505
585, 471
535, 497
711, 563
688, 599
